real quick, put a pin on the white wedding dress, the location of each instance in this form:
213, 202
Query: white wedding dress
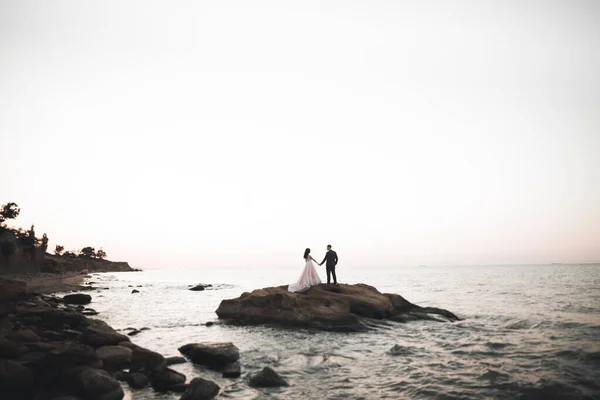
308, 278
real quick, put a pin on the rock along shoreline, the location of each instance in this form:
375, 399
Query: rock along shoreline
50, 350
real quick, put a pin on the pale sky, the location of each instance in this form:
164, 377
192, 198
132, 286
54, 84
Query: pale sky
192, 134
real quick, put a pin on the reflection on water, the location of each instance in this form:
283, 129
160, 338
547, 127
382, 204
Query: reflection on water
528, 332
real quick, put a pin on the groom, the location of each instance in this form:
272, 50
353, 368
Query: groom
332, 260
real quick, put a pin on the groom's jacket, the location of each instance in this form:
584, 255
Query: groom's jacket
331, 258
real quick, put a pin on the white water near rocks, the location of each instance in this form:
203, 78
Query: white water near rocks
529, 332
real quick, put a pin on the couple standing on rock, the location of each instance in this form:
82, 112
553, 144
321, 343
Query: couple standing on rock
309, 276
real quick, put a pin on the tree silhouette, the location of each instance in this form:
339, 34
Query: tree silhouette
59, 249
87, 252
101, 254
9, 211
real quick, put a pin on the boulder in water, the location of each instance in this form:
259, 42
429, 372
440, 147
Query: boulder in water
267, 378
201, 389
166, 379
213, 355
232, 370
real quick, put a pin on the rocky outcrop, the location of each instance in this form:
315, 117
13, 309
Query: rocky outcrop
12, 290
344, 308
61, 264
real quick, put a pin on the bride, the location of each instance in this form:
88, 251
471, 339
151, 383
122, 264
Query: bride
309, 276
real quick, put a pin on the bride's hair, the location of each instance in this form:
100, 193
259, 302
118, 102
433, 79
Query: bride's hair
306, 253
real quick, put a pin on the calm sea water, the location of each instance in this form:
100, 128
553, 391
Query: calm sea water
528, 332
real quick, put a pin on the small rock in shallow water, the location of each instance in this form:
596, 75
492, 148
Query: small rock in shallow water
135, 291
210, 323
133, 333
201, 389
213, 355
267, 378
232, 370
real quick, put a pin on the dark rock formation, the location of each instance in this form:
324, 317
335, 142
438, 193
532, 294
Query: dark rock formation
267, 378
77, 298
213, 355
325, 307
135, 291
201, 389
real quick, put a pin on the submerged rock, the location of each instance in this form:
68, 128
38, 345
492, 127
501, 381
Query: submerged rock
213, 355
201, 389
324, 307
200, 287
267, 378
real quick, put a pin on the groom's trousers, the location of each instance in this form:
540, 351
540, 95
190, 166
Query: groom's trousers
330, 271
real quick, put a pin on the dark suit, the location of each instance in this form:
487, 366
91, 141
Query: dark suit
332, 260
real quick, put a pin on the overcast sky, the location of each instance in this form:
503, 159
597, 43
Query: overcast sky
234, 133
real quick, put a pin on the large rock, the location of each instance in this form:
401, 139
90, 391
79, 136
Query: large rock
12, 290
16, 381
115, 357
201, 389
147, 362
213, 355
77, 298
325, 307
166, 380
99, 333
267, 378
96, 384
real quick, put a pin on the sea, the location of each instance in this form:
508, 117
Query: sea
526, 332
